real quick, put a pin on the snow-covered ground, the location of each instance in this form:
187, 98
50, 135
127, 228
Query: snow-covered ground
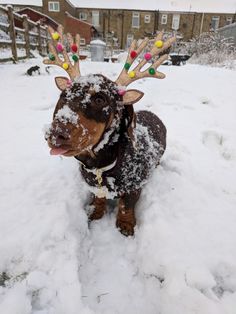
182, 259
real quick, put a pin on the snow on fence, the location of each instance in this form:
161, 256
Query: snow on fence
17, 43
229, 31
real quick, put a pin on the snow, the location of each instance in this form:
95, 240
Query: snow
97, 42
65, 114
22, 2
182, 258
7, 53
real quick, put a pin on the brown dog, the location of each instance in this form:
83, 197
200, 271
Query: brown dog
94, 121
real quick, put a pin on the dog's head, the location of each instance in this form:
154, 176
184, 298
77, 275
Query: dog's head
86, 109
91, 105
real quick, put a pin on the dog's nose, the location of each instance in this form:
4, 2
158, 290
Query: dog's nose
59, 135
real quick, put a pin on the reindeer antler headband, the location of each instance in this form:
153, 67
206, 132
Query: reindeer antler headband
59, 56
125, 77
56, 47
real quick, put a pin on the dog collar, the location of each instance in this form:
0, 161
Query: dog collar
100, 170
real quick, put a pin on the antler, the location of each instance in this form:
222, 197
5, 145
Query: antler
56, 47
159, 46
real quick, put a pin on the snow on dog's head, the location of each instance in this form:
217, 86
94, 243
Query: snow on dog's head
83, 112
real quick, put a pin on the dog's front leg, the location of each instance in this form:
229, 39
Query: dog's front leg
99, 206
126, 214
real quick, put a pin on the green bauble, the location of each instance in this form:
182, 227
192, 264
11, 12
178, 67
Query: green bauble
51, 57
127, 66
152, 71
75, 58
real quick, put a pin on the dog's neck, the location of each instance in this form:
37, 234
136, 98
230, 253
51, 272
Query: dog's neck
109, 151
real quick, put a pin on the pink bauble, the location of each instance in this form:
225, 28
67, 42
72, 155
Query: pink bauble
69, 83
59, 47
121, 92
147, 56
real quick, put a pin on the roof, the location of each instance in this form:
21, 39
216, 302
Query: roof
207, 6
37, 12
77, 19
37, 3
211, 6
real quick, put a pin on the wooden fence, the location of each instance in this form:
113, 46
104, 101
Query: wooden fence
15, 40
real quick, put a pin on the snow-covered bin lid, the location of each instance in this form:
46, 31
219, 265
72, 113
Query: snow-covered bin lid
97, 42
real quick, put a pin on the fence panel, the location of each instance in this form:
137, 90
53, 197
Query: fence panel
20, 41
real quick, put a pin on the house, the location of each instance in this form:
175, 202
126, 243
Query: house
128, 20
49, 14
121, 21
64, 12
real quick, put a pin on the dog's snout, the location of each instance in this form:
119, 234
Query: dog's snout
63, 136
59, 135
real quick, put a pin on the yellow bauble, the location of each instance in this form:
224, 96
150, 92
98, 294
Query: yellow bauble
132, 74
159, 43
55, 36
65, 66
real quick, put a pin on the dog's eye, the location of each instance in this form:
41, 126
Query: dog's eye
100, 100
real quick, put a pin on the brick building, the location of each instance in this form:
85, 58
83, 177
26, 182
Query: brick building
120, 21
54, 13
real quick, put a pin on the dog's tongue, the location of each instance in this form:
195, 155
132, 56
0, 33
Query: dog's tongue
58, 151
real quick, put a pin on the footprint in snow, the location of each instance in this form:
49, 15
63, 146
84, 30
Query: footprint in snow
225, 277
216, 142
206, 101
212, 285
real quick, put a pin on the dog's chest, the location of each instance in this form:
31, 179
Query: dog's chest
131, 168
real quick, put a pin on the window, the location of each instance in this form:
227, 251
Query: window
175, 22
147, 19
82, 41
83, 16
95, 18
229, 20
135, 20
53, 6
164, 19
215, 21
130, 38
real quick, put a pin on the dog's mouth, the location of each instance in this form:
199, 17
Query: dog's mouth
58, 151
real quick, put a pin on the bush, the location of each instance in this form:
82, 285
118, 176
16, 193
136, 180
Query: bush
212, 49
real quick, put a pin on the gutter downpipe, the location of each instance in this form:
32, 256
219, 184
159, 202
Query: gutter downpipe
203, 14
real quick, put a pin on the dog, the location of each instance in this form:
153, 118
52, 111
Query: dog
94, 121
32, 70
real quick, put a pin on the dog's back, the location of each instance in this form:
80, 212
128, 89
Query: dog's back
138, 161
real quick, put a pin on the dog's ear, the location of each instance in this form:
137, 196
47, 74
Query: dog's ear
132, 96
62, 82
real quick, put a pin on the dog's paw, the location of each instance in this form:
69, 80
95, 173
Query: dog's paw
96, 210
96, 215
126, 227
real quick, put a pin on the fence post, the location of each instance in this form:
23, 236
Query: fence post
39, 39
27, 39
12, 32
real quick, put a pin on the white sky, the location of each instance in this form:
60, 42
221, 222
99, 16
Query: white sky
214, 6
